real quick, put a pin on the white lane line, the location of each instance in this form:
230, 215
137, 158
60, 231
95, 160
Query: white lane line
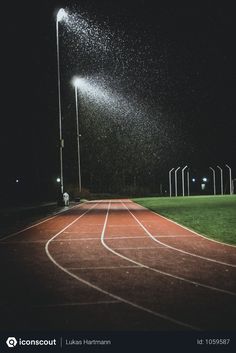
77, 304
84, 232
110, 237
18, 242
117, 237
166, 273
176, 236
176, 249
120, 225
37, 224
140, 248
70, 224
94, 238
68, 240
116, 297
101, 267
165, 317
74, 239
145, 237
190, 230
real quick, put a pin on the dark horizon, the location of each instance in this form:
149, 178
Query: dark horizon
181, 75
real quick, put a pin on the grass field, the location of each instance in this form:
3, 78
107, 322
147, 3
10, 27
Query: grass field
213, 216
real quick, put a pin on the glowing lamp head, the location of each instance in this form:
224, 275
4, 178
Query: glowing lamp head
204, 179
77, 82
61, 15
58, 180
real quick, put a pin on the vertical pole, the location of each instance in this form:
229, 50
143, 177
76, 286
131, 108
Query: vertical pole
176, 186
230, 180
78, 136
214, 180
59, 106
183, 179
170, 184
221, 180
188, 182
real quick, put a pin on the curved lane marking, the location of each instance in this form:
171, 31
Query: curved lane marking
102, 290
190, 230
165, 273
172, 247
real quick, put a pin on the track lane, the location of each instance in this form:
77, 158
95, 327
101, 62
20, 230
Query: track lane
79, 249
31, 282
166, 261
166, 231
134, 284
106, 292
209, 302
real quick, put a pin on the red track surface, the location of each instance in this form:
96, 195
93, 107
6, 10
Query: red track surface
115, 266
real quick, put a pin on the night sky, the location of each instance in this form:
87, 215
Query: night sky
168, 71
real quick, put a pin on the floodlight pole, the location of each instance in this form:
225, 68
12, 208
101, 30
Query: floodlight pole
176, 186
59, 106
214, 179
183, 169
230, 179
78, 136
221, 179
170, 185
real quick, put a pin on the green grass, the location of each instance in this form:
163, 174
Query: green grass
212, 216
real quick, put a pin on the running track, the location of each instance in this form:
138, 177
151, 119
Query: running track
114, 265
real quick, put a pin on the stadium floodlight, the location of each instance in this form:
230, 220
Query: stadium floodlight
60, 16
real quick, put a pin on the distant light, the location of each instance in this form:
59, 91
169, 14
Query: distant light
193, 180
17, 180
204, 179
58, 180
61, 15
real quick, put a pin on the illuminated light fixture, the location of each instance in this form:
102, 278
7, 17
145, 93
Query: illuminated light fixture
77, 81
193, 180
61, 15
204, 179
58, 180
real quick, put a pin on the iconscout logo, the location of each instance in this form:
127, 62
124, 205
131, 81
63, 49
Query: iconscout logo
11, 342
